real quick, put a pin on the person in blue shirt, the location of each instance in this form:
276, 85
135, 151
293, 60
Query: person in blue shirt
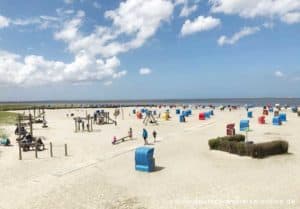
145, 136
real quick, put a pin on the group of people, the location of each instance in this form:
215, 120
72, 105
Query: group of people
145, 136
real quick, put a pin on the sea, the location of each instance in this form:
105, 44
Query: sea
212, 101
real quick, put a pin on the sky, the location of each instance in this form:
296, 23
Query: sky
154, 49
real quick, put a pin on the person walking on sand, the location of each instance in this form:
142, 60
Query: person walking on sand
154, 135
145, 136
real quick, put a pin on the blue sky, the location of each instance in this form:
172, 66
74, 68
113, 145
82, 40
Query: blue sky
156, 49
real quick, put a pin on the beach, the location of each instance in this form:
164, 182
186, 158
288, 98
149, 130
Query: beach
97, 174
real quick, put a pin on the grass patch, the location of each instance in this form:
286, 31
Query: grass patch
7, 118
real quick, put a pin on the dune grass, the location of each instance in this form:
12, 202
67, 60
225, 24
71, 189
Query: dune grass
7, 118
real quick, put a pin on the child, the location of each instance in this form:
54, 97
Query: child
154, 135
145, 136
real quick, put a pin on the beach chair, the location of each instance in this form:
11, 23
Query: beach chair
144, 160
230, 129
261, 120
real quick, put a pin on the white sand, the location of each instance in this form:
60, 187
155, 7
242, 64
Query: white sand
98, 174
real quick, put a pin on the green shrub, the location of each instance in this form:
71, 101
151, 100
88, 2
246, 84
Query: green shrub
262, 150
218, 142
236, 145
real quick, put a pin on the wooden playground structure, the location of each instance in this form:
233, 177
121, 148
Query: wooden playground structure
83, 123
25, 139
38, 115
102, 118
150, 119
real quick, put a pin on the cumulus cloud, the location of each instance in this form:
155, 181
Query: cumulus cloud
187, 10
36, 70
4, 22
96, 5
200, 24
95, 54
279, 74
137, 20
246, 31
291, 18
145, 71
256, 8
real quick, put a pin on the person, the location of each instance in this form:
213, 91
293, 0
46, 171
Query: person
154, 135
145, 136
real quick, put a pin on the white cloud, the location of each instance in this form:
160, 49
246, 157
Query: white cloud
68, 1
291, 18
133, 23
246, 31
279, 74
107, 83
268, 25
256, 8
200, 24
36, 70
137, 20
71, 28
187, 10
43, 22
145, 71
96, 5
4, 22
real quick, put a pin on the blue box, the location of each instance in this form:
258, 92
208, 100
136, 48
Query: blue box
276, 121
144, 160
250, 114
282, 117
244, 125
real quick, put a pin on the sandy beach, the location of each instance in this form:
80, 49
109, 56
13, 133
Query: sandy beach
97, 174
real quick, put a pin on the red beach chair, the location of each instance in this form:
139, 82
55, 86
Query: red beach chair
261, 120
230, 130
201, 116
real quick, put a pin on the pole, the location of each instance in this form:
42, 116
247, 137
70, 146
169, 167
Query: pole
66, 150
88, 118
30, 123
20, 152
36, 151
51, 150
75, 121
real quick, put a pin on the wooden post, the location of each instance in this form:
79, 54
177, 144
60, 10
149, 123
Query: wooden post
66, 150
88, 120
36, 151
19, 126
20, 152
30, 124
75, 121
92, 125
51, 150
34, 112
